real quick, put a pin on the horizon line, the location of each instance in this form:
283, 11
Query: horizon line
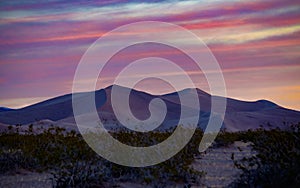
139, 90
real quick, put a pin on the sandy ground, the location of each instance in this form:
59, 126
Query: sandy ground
26, 179
218, 165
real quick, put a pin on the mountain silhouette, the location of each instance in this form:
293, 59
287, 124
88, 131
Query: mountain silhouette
240, 115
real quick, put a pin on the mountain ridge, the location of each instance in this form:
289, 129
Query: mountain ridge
240, 115
166, 94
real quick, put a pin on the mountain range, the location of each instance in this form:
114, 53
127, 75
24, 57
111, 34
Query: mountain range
239, 116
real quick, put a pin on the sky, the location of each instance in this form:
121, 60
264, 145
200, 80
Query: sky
256, 43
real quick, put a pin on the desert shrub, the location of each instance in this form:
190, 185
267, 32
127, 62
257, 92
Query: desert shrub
11, 160
79, 174
277, 163
73, 163
227, 138
175, 170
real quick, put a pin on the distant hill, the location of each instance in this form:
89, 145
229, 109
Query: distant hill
3, 109
240, 115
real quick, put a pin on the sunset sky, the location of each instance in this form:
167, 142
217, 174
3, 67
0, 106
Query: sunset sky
256, 42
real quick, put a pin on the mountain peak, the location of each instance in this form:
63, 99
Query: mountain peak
240, 115
266, 103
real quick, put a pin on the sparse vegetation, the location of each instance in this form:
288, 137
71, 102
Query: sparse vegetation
73, 164
277, 163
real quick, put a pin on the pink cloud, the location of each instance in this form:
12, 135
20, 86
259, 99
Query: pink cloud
39, 53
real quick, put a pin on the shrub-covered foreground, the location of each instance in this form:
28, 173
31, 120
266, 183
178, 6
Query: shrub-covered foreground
73, 164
